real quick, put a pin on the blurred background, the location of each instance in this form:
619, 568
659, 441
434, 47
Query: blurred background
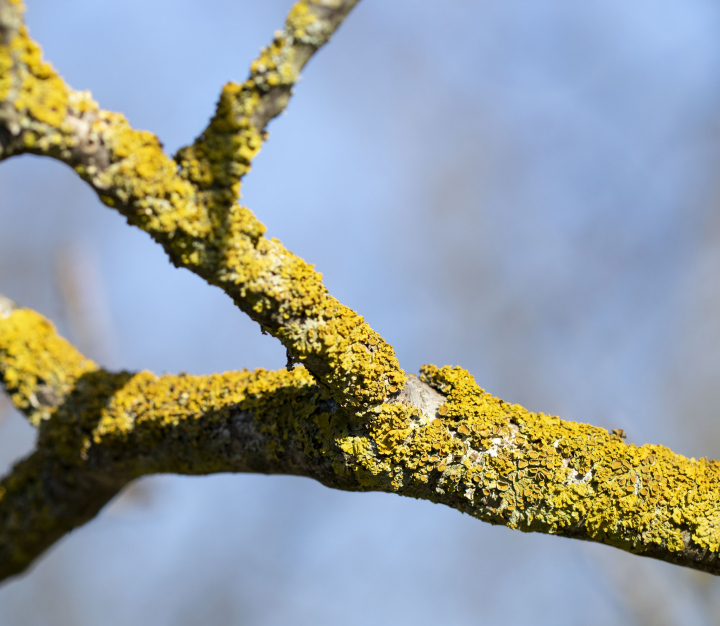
527, 189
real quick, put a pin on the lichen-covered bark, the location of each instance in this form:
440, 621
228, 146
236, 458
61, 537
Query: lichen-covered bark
350, 418
189, 204
221, 155
442, 439
40, 502
38, 368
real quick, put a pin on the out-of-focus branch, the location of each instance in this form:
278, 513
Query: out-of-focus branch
191, 209
85, 301
38, 368
4, 409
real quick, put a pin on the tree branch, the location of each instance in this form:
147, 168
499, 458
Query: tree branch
38, 368
443, 439
439, 438
196, 216
110, 428
221, 155
40, 502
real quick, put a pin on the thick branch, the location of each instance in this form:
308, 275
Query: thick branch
196, 218
116, 427
442, 439
40, 502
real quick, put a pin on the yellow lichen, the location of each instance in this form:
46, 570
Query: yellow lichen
6, 64
624, 495
190, 206
492, 459
42, 95
37, 366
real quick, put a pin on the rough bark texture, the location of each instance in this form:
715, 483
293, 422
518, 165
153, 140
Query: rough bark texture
349, 417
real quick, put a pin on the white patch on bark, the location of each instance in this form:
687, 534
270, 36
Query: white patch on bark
423, 397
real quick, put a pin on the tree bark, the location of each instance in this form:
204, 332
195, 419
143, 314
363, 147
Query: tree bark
348, 416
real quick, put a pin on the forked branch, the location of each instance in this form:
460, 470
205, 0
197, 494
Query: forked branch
350, 418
